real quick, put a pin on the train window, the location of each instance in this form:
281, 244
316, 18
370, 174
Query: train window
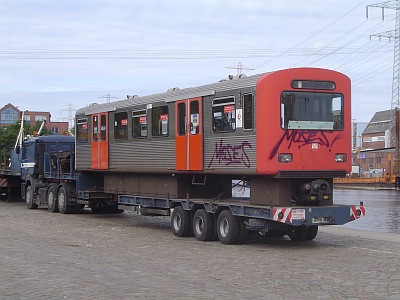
248, 111
121, 125
82, 130
311, 111
313, 85
103, 127
224, 114
194, 117
160, 120
181, 118
95, 128
139, 124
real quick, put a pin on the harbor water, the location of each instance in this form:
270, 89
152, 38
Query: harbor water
382, 208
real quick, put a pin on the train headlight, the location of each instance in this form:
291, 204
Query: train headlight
340, 157
285, 158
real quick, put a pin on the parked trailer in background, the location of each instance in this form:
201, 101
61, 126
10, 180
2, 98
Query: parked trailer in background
285, 134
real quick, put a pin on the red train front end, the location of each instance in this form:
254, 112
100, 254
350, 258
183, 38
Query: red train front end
303, 121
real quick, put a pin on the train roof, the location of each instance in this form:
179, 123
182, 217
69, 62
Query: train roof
175, 94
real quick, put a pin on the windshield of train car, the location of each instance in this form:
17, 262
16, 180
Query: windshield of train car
311, 111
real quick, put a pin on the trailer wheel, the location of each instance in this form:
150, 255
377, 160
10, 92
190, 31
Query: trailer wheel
312, 233
203, 225
243, 232
297, 234
52, 204
228, 227
63, 207
30, 202
181, 222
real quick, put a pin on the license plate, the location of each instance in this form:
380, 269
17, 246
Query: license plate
322, 220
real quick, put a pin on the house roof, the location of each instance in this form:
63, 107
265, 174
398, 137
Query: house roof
380, 122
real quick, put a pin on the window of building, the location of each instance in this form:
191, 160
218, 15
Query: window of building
9, 116
27, 119
82, 130
224, 114
139, 124
121, 125
160, 120
40, 118
54, 130
248, 112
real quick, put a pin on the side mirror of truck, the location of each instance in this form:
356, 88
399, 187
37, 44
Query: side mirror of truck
17, 149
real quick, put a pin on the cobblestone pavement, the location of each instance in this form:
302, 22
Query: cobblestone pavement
126, 256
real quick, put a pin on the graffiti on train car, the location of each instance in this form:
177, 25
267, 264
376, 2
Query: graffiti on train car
227, 154
301, 138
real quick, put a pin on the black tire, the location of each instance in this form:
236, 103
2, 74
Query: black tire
243, 232
78, 208
298, 234
30, 201
181, 222
62, 200
228, 227
312, 233
52, 203
203, 225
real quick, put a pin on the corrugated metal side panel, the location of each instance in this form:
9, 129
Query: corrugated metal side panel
230, 154
157, 155
83, 156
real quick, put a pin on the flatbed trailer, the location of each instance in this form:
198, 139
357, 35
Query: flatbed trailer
233, 218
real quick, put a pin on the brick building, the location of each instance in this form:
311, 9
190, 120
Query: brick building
9, 114
376, 155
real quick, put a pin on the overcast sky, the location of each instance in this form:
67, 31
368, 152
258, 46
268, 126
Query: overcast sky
56, 55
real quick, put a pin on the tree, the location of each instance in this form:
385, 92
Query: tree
9, 134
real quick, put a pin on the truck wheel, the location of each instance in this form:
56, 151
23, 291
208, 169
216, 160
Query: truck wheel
228, 227
62, 202
52, 204
203, 225
312, 233
30, 202
181, 222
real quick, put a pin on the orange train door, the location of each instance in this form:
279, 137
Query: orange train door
100, 141
189, 135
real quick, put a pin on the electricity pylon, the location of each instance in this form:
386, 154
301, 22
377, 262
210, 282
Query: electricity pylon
395, 36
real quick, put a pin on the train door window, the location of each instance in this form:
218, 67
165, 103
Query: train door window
224, 114
181, 119
139, 124
95, 128
160, 121
82, 130
103, 127
121, 125
248, 112
194, 117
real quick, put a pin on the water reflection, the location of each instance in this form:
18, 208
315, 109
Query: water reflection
382, 208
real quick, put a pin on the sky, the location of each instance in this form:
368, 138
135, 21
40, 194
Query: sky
59, 56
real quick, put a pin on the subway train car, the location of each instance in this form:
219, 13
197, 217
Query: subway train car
285, 133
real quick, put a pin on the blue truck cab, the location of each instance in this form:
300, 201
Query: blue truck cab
50, 156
